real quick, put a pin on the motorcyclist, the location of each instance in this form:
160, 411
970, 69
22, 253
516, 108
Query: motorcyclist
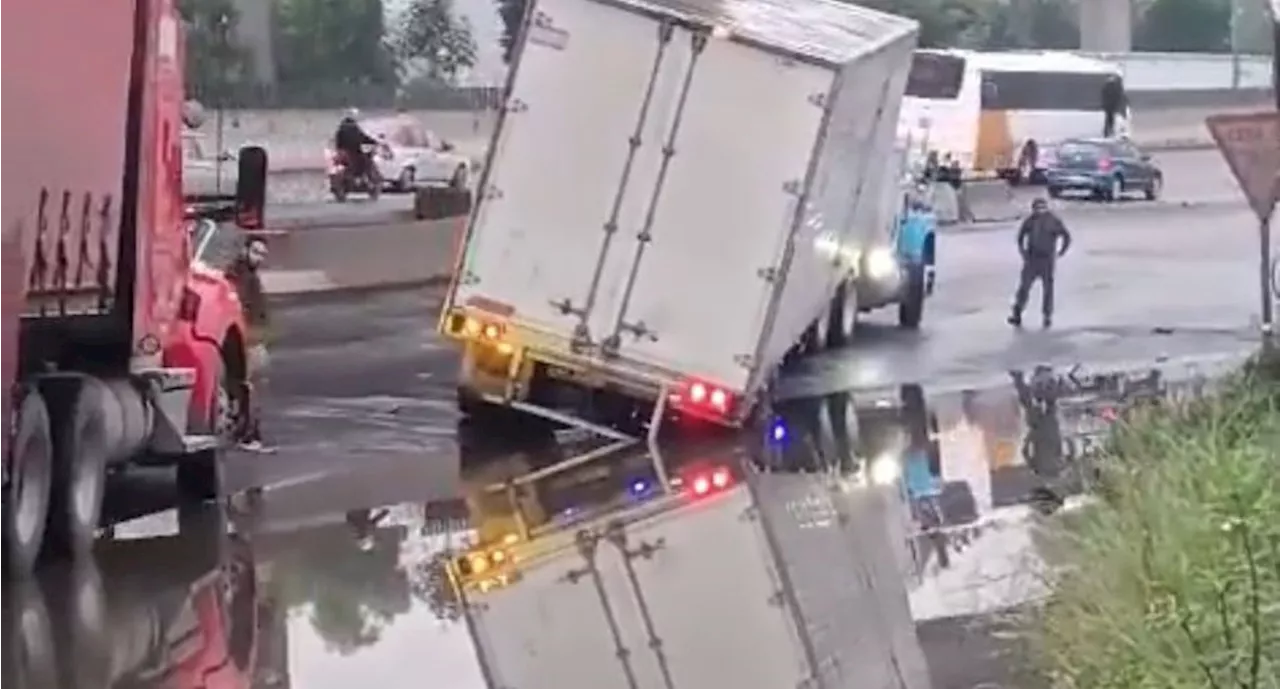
350, 140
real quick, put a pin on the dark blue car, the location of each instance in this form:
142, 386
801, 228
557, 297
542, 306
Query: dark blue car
1107, 169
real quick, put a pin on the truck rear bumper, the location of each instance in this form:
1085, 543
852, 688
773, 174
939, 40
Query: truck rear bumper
541, 369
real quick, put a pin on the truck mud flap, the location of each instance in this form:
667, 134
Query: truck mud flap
582, 332
611, 344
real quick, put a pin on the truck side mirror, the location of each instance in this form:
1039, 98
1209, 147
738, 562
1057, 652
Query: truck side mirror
251, 187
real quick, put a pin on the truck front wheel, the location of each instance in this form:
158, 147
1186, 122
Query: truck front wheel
911, 307
26, 497
80, 448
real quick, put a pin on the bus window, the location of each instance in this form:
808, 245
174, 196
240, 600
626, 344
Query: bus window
935, 76
1069, 91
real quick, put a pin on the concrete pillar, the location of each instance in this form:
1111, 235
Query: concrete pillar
254, 33
1106, 25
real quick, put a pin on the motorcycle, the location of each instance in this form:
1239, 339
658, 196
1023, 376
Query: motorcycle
344, 178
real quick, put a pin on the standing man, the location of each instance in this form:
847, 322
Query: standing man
1113, 103
1041, 240
245, 275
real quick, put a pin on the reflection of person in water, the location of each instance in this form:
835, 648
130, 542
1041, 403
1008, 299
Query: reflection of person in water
1042, 448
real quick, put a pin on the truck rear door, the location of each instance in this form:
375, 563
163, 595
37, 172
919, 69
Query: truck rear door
719, 210
564, 164
685, 597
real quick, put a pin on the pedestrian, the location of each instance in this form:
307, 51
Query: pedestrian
954, 176
245, 275
1042, 239
1113, 103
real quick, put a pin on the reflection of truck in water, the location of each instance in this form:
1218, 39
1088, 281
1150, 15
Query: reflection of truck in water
744, 571
166, 612
680, 250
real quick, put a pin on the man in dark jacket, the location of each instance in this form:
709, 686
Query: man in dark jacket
350, 139
1041, 240
245, 275
1113, 103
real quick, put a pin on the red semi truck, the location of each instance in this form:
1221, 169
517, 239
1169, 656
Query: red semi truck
113, 353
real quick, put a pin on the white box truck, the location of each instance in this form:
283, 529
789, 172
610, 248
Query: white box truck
675, 194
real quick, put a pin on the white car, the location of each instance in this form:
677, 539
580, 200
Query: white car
411, 154
201, 178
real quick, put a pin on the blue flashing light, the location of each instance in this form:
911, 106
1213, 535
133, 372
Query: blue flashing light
778, 431
639, 487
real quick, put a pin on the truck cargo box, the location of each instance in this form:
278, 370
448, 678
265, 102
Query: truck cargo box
672, 189
754, 579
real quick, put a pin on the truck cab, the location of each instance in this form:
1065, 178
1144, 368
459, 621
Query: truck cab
113, 337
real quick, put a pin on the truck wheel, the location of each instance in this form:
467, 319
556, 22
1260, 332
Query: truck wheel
911, 308
30, 656
200, 476
223, 414
79, 461
79, 604
844, 314
26, 497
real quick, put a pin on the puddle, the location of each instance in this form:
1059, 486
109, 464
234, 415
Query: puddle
337, 579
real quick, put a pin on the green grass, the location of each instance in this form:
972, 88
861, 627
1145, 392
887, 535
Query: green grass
1172, 580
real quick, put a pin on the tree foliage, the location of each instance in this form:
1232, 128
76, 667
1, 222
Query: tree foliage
216, 63
333, 45
511, 12
432, 36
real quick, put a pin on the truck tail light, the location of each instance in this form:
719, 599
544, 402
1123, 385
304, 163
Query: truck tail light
189, 305
710, 481
702, 398
1104, 164
467, 327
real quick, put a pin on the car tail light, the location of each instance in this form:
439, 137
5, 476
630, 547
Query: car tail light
189, 305
710, 481
1104, 164
701, 397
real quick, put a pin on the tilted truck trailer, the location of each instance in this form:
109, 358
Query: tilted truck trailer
117, 349
751, 571
671, 202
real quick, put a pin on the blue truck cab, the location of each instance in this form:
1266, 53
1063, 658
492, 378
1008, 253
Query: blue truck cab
901, 270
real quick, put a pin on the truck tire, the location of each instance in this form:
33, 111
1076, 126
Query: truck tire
30, 656
80, 606
26, 499
911, 308
223, 417
200, 477
844, 315
80, 448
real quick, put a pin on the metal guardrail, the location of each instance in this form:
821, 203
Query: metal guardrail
1146, 71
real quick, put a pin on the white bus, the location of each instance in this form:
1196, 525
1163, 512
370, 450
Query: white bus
999, 113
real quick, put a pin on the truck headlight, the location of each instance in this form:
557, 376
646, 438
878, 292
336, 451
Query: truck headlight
881, 264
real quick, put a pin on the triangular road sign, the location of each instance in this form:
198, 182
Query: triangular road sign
1251, 144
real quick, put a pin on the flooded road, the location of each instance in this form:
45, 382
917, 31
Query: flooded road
332, 579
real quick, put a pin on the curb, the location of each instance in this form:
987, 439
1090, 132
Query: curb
326, 295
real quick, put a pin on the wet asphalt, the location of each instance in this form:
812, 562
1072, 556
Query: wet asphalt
321, 576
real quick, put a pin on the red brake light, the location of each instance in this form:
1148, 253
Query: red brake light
189, 306
1104, 164
698, 396
707, 482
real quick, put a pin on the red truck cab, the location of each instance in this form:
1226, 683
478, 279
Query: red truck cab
113, 345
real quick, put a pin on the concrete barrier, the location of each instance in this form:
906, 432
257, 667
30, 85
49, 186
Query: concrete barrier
314, 261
